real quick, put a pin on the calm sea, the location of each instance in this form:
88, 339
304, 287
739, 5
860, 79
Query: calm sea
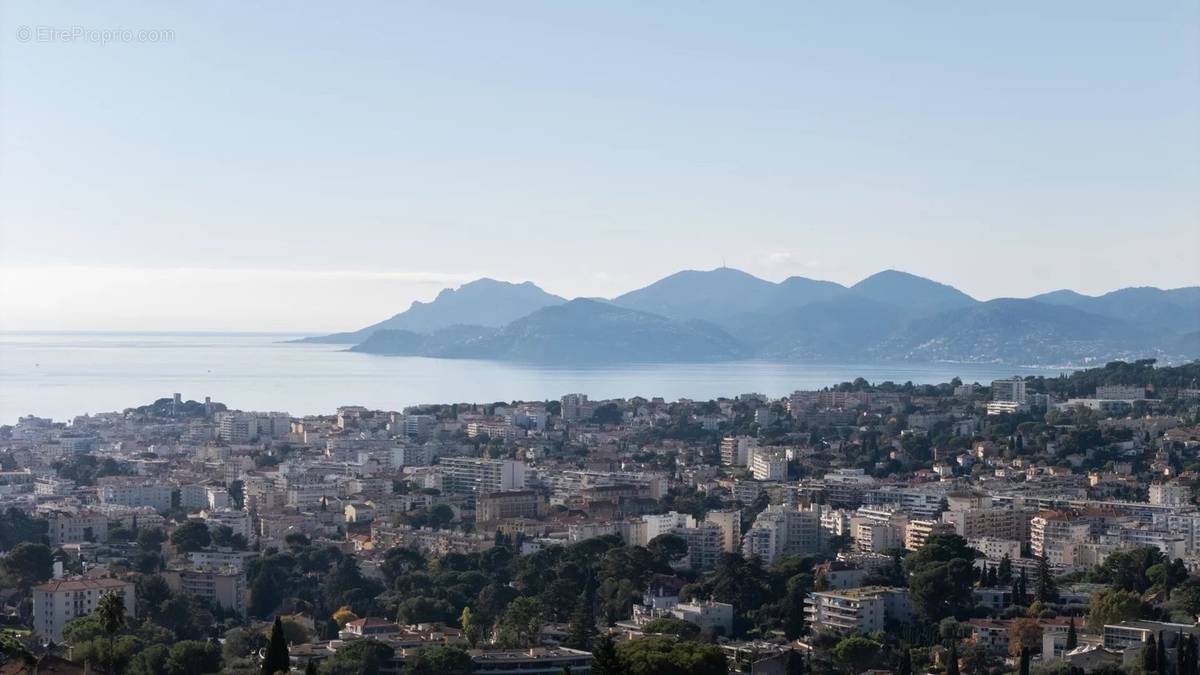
61, 375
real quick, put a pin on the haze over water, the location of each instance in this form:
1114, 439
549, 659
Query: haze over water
61, 375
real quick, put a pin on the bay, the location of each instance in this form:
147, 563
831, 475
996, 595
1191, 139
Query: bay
60, 375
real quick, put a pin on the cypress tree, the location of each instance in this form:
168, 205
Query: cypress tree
905, 665
795, 663
276, 658
1162, 654
606, 660
952, 659
1149, 656
1072, 637
1046, 592
1004, 574
581, 631
1180, 655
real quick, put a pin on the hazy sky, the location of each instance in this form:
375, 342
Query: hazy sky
312, 166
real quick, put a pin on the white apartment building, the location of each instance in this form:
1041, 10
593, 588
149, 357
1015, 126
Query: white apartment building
1118, 392
863, 610
716, 617
1052, 533
735, 450
995, 549
77, 527
235, 519
782, 529
477, 475
224, 587
918, 532
769, 465
56, 602
989, 521
1170, 493
53, 486
126, 491
221, 558
1012, 389
878, 530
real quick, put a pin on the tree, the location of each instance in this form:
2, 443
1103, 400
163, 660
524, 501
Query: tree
193, 657
667, 548
1072, 636
605, 660
904, 667
343, 616
1162, 655
670, 625
440, 661
191, 536
1024, 634
359, 657
794, 618
1004, 572
581, 631
110, 611
952, 659
668, 656
942, 589
276, 658
855, 653
521, 623
941, 577
1148, 658
1046, 590
17, 527
29, 564
1113, 606
1024, 668
470, 629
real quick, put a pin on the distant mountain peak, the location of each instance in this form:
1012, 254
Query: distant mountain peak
911, 293
483, 302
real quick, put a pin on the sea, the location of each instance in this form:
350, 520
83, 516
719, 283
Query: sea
61, 375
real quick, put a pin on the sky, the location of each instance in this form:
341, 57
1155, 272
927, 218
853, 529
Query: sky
316, 166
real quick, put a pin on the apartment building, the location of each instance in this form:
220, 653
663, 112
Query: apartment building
768, 465
224, 587
878, 530
1170, 494
1012, 389
735, 450
76, 527
56, 602
129, 491
783, 529
506, 504
730, 522
862, 610
918, 531
478, 476
1051, 533
989, 522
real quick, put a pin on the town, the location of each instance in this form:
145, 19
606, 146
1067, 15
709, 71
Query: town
1029, 524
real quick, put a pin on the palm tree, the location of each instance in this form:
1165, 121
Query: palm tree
110, 609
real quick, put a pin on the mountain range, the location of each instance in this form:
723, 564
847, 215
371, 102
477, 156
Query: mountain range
726, 314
